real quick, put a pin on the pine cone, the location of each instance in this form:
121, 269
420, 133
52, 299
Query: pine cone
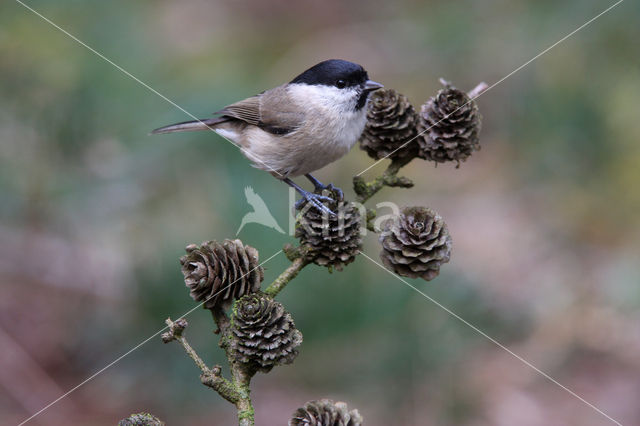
325, 412
391, 123
264, 333
141, 419
217, 273
334, 240
416, 243
451, 125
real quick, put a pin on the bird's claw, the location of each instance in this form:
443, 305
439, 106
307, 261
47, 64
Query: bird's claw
315, 200
332, 188
319, 187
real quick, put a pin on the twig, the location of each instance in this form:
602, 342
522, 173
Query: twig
290, 273
241, 374
209, 377
221, 319
224, 387
371, 215
365, 190
478, 90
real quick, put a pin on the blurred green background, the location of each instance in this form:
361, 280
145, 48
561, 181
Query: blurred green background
94, 214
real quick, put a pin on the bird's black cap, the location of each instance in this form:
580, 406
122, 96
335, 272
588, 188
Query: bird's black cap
329, 72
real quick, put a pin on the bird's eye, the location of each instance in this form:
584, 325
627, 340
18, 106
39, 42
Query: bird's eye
341, 84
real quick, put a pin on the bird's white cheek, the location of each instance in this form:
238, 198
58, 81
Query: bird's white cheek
354, 127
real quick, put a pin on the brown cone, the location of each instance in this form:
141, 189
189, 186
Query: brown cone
325, 412
264, 333
391, 123
218, 273
141, 419
334, 240
450, 126
416, 243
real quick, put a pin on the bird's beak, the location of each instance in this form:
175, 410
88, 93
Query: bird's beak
371, 85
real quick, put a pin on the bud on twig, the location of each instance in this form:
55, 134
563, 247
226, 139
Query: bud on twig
175, 330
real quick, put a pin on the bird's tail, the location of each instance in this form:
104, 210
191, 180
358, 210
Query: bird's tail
189, 126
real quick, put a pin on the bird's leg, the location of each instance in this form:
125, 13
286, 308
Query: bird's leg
320, 186
314, 199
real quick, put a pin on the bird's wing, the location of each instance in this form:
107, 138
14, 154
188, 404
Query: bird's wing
272, 111
247, 110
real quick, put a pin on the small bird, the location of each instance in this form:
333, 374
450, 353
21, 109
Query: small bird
298, 127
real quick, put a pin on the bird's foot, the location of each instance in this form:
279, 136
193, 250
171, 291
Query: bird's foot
316, 201
319, 186
331, 188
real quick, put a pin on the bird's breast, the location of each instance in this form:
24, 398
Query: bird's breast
324, 137
322, 144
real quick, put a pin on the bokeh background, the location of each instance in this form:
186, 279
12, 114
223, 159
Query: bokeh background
94, 213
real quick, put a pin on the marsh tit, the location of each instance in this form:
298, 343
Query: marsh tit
298, 127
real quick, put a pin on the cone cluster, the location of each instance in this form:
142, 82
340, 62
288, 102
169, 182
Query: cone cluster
416, 243
391, 124
325, 412
450, 126
264, 333
446, 129
217, 273
334, 241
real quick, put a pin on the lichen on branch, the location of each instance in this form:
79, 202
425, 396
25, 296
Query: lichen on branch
365, 190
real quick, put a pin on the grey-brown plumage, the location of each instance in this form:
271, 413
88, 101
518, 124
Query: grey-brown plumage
298, 127
273, 111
